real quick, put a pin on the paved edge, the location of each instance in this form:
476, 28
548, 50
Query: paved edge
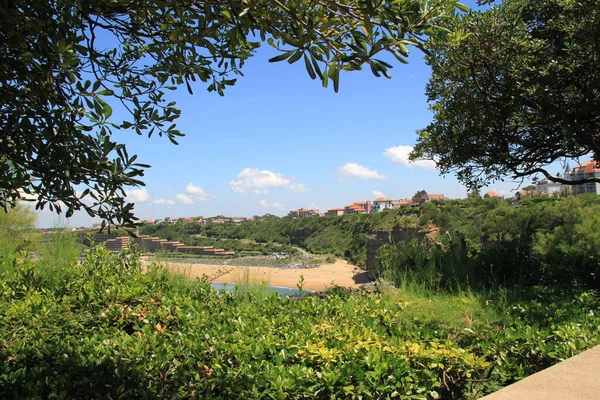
577, 378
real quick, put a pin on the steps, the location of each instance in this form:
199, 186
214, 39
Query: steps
149, 244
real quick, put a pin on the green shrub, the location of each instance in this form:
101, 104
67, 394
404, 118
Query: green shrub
106, 329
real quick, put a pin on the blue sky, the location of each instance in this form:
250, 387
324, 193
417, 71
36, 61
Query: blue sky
279, 141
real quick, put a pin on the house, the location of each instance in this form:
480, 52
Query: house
219, 220
334, 212
187, 220
491, 195
357, 208
238, 220
367, 206
586, 170
302, 213
381, 204
550, 188
430, 197
399, 203
173, 220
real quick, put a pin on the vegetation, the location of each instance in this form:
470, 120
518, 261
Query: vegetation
105, 329
485, 243
478, 242
513, 89
66, 64
16, 232
344, 237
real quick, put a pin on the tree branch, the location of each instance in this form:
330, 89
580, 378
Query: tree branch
556, 179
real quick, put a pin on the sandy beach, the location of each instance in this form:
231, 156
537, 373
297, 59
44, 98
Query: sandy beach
339, 273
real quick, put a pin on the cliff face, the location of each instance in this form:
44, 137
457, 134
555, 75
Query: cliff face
378, 239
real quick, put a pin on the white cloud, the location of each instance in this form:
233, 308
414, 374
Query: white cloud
355, 170
400, 155
197, 193
298, 187
377, 194
184, 199
164, 201
313, 206
265, 204
194, 193
137, 195
253, 180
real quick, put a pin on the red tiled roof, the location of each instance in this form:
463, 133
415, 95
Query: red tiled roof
588, 167
336, 209
435, 196
382, 199
491, 193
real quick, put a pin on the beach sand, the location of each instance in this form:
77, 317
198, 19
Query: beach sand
339, 273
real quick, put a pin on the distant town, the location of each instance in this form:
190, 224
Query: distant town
541, 187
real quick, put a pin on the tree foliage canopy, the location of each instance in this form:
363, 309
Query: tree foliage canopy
64, 65
513, 89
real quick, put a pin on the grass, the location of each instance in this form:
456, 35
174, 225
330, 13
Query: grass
251, 284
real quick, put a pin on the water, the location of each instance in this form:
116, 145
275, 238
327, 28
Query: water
283, 291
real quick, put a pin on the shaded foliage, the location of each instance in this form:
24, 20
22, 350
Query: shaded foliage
514, 88
65, 64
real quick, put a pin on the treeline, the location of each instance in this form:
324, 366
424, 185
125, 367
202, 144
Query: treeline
489, 242
475, 242
344, 237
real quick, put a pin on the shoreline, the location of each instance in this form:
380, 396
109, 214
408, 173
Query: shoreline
340, 273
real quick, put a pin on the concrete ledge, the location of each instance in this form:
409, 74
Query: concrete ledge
575, 378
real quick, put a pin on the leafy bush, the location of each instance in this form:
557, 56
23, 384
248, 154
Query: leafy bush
105, 329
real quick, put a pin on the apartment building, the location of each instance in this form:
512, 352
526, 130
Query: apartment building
334, 212
586, 170
302, 213
381, 204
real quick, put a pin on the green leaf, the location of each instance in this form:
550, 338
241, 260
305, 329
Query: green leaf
295, 57
107, 110
462, 7
309, 68
281, 57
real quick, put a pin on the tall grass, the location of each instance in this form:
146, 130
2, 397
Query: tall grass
417, 265
250, 284
17, 234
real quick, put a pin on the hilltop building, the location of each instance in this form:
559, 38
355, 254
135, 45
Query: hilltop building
334, 212
551, 188
302, 213
381, 204
430, 197
359, 207
586, 170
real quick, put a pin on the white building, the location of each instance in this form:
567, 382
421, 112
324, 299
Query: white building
586, 170
381, 204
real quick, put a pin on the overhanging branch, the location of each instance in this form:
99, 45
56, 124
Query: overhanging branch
556, 179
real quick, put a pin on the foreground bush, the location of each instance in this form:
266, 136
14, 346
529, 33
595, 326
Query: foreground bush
106, 330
